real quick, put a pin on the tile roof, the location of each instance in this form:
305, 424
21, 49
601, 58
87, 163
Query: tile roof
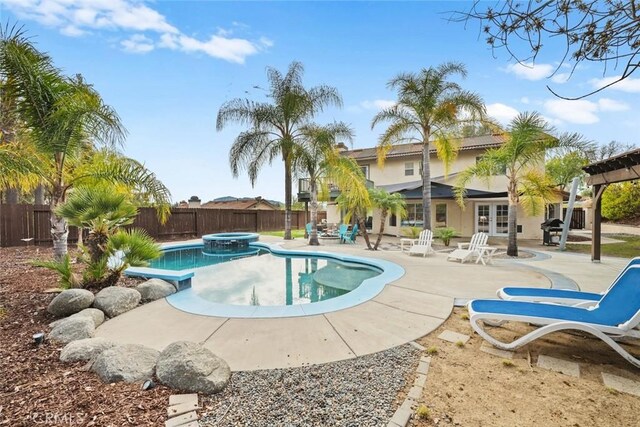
402, 150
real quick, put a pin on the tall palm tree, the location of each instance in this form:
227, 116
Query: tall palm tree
65, 117
275, 127
521, 157
356, 204
429, 106
387, 203
318, 159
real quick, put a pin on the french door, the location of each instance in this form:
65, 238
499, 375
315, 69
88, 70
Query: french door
492, 218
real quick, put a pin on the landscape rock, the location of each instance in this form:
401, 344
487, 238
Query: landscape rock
154, 289
190, 367
70, 301
93, 313
116, 300
72, 329
128, 363
86, 349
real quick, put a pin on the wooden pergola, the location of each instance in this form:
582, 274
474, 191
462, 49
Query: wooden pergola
620, 168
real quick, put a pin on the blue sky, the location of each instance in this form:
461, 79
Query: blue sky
168, 66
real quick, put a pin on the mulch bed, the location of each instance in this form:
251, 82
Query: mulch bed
36, 388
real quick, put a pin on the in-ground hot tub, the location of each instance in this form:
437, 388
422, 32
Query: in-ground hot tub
227, 243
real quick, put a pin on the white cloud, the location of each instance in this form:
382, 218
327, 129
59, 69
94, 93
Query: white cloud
80, 17
525, 100
501, 112
137, 43
606, 104
579, 112
629, 84
377, 104
560, 78
530, 71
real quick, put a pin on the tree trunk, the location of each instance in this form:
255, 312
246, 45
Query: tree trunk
12, 195
59, 228
362, 226
313, 237
383, 218
512, 245
38, 195
426, 184
287, 198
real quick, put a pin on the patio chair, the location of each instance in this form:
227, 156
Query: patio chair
350, 236
559, 296
423, 245
467, 251
613, 317
342, 230
308, 229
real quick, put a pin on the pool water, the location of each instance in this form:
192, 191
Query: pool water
265, 279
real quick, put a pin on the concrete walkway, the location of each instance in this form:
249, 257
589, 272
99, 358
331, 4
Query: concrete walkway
405, 310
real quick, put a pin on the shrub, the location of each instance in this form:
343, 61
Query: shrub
423, 412
621, 201
411, 232
446, 234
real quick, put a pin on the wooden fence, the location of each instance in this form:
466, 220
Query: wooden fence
29, 224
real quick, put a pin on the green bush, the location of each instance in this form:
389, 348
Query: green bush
621, 201
446, 234
411, 232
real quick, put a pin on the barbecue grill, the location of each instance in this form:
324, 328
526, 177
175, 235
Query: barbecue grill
551, 228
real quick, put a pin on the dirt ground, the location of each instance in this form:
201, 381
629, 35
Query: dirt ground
468, 387
35, 387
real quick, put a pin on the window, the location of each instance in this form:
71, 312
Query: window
501, 169
408, 169
441, 215
392, 220
365, 170
414, 215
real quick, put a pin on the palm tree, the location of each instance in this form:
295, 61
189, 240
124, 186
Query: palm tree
275, 127
387, 203
65, 117
428, 107
356, 204
318, 158
521, 157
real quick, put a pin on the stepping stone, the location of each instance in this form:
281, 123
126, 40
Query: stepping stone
415, 393
181, 408
488, 348
176, 399
454, 337
624, 385
417, 346
420, 380
401, 417
559, 365
423, 368
181, 420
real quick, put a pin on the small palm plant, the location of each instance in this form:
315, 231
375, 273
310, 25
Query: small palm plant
387, 203
109, 250
446, 234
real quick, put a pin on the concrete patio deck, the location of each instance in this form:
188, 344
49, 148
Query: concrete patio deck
405, 310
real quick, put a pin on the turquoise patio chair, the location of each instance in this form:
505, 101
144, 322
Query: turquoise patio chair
308, 228
342, 230
350, 236
615, 316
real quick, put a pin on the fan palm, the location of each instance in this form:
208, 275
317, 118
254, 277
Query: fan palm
528, 137
275, 127
356, 204
387, 203
318, 158
65, 117
429, 107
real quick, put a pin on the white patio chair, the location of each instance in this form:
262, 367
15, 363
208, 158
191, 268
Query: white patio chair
467, 251
422, 246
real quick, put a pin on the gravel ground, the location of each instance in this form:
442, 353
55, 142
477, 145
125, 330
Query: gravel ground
355, 392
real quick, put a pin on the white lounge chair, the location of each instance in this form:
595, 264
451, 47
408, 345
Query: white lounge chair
467, 251
614, 317
559, 296
422, 245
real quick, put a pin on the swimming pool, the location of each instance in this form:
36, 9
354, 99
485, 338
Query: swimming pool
267, 281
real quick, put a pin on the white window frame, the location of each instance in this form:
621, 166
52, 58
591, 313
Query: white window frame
408, 168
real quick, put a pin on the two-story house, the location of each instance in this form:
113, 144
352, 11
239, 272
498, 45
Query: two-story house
486, 203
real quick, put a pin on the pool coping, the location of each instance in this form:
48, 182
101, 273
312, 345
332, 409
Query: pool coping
188, 301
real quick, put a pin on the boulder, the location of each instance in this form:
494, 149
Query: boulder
129, 363
85, 349
192, 368
72, 329
154, 289
93, 313
70, 301
116, 300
